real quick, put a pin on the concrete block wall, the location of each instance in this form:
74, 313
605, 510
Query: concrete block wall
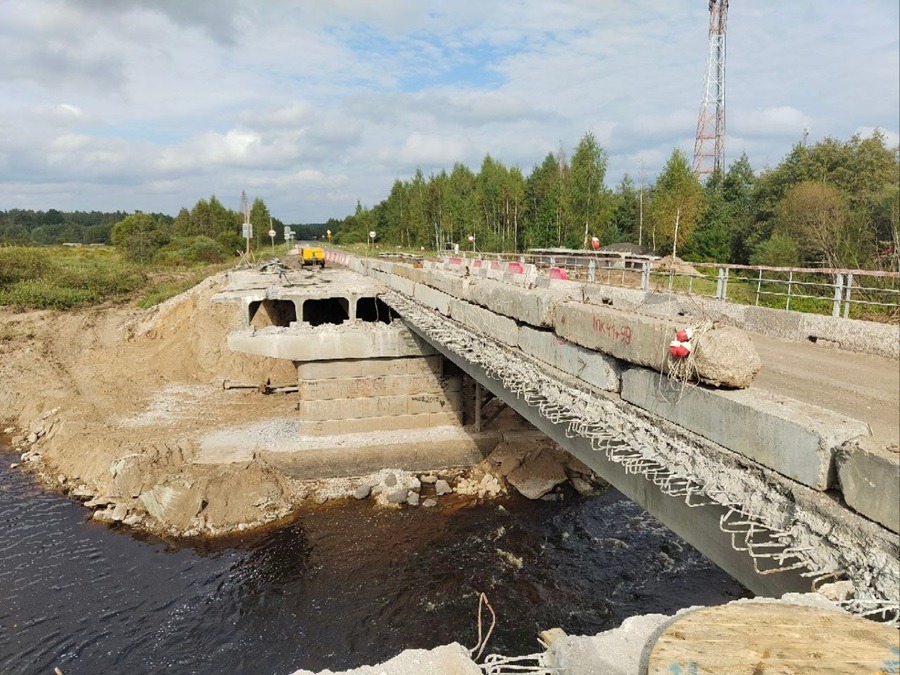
354, 396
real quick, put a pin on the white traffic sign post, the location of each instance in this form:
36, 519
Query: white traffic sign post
371, 240
272, 237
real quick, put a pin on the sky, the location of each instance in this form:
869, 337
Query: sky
153, 104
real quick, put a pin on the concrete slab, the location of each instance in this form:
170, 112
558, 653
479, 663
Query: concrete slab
433, 298
379, 424
788, 436
532, 306
354, 341
378, 406
402, 285
383, 385
451, 284
869, 479
500, 328
636, 338
596, 369
342, 368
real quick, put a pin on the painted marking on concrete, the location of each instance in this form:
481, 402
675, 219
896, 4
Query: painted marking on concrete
613, 331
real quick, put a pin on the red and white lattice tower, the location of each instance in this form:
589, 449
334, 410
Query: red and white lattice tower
709, 147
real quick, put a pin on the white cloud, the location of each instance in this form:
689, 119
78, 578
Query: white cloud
314, 105
778, 121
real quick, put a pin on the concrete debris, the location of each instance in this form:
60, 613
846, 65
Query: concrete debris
413, 499
429, 479
398, 496
362, 491
442, 487
538, 475
726, 357
452, 659
429, 503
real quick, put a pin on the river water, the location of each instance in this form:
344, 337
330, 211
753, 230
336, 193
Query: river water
345, 584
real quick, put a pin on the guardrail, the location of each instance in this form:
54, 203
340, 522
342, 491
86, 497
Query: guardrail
869, 294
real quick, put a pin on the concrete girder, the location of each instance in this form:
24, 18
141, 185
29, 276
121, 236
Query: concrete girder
699, 526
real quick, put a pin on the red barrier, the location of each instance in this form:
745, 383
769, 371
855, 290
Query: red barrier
476, 263
495, 265
515, 268
455, 261
558, 273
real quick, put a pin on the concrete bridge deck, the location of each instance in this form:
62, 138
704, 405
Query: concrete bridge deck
861, 386
788, 483
780, 470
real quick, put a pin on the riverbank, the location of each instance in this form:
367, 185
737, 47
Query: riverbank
124, 410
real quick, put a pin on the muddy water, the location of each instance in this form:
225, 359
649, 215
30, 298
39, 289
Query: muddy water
345, 585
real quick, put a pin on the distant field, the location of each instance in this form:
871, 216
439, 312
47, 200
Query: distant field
63, 277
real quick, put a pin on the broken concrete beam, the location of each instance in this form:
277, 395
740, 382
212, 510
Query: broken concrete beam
430, 297
644, 340
500, 328
869, 479
795, 439
596, 369
533, 306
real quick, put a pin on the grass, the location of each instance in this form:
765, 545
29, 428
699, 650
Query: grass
68, 277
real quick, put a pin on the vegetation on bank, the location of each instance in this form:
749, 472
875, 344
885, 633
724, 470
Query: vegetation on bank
831, 204
60, 277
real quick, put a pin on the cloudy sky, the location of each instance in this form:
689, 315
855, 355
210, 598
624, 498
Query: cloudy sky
313, 104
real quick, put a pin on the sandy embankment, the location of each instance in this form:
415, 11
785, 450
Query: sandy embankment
112, 406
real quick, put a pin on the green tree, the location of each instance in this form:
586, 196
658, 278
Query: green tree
623, 225
817, 217
589, 196
676, 204
139, 236
260, 218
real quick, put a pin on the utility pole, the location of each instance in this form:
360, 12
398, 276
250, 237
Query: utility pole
247, 228
641, 207
709, 145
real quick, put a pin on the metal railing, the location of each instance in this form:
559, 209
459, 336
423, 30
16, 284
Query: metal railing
871, 294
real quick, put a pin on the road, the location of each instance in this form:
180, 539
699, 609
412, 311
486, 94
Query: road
861, 386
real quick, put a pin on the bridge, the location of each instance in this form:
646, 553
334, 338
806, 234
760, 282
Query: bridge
784, 485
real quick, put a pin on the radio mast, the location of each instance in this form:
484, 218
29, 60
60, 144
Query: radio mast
709, 146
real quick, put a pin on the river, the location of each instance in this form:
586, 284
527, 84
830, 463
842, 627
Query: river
343, 585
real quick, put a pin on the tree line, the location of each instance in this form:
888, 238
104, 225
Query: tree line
834, 203
208, 232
